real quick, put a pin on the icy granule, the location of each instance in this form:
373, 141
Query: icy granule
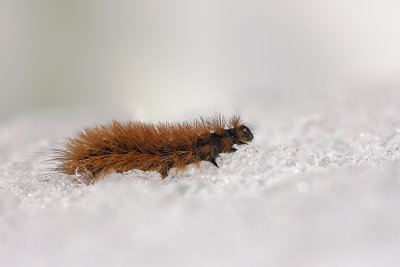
309, 191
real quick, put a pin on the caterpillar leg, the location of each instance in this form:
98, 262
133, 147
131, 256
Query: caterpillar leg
164, 172
164, 168
214, 162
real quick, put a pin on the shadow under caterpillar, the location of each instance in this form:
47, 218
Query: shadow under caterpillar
119, 147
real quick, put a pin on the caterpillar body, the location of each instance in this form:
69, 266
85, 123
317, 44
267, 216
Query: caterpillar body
119, 147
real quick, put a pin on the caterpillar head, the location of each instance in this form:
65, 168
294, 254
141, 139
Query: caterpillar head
240, 135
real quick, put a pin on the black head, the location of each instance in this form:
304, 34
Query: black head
240, 135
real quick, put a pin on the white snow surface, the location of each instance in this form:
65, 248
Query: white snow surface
319, 186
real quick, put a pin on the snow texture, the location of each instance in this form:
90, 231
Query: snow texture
319, 186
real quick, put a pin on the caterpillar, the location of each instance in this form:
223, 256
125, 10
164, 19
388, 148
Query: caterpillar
119, 147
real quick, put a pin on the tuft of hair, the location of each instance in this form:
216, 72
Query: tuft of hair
118, 147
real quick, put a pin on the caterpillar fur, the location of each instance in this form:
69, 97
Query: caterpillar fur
119, 147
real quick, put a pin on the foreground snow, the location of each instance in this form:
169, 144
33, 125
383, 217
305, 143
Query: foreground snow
314, 189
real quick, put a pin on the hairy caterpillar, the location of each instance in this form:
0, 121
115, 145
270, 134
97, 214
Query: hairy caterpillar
119, 147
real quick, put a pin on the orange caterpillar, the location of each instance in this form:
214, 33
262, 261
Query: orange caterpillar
119, 147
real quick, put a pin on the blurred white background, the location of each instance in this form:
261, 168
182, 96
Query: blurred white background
162, 58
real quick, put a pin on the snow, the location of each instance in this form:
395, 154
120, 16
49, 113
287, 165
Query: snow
319, 186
